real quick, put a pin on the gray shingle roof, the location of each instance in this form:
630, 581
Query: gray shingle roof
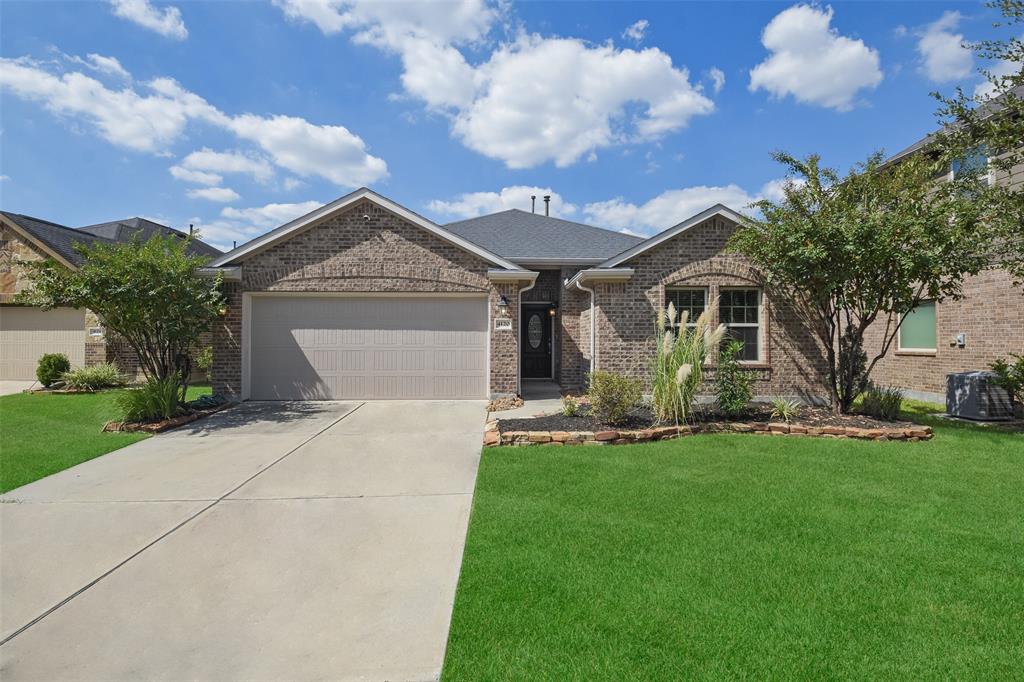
124, 230
521, 236
58, 237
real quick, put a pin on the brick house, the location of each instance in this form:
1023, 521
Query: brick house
362, 298
943, 337
27, 332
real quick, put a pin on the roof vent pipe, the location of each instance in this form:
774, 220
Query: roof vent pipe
547, 204
533, 203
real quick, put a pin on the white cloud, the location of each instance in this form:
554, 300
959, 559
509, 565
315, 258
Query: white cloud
999, 70
198, 177
167, 22
219, 194
809, 60
211, 162
4, 178
534, 99
242, 224
291, 183
102, 64
717, 77
152, 119
472, 204
636, 31
674, 206
943, 55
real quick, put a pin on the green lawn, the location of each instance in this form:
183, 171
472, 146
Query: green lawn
741, 556
43, 434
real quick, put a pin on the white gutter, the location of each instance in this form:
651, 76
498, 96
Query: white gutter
593, 327
519, 338
230, 274
601, 275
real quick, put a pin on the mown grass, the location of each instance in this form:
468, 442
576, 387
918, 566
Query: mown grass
41, 434
742, 556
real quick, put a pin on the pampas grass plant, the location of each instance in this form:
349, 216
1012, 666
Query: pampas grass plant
678, 366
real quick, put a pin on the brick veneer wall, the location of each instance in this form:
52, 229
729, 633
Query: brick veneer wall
382, 254
574, 326
791, 362
991, 314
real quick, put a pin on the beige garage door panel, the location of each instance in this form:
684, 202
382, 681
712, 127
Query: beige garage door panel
368, 348
27, 333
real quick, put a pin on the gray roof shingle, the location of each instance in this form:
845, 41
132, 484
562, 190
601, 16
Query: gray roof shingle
518, 235
58, 237
124, 230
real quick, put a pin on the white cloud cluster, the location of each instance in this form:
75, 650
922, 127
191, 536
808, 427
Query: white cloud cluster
206, 167
809, 60
717, 77
152, 117
109, 66
998, 71
943, 55
242, 224
472, 204
534, 99
636, 31
219, 194
167, 22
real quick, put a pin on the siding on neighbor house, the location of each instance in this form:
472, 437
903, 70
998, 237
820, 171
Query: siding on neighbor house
791, 362
347, 253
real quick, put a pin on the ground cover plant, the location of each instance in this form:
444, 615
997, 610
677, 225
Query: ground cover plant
746, 557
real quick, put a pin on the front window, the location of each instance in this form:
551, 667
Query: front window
974, 163
693, 300
740, 311
917, 333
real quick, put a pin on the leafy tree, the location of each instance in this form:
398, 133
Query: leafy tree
148, 292
847, 252
992, 120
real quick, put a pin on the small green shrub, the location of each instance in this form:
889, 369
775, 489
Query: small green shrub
204, 359
570, 406
734, 385
613, 397
882, 403
95, 377
786, 410
156, 399
51, 368
1010, 376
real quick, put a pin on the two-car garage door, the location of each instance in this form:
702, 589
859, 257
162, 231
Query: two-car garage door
368, 347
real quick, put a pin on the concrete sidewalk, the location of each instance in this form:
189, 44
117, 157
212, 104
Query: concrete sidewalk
271, 541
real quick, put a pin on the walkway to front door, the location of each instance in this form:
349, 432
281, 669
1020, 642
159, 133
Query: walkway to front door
536, 341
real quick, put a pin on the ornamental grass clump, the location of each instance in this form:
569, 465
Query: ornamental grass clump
678, 366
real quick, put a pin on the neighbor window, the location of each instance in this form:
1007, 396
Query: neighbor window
740, 311
918, 329
692, 300
975, 162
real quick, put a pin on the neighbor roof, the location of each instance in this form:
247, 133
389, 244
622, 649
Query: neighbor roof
521, 236
125, 230
58, 239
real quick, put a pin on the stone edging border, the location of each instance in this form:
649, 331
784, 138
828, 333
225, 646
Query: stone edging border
166, 424
493, 437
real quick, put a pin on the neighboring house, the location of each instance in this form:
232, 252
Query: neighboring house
943, 337
28, 332
362, 298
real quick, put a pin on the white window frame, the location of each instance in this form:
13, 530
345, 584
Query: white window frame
989, 175
691, 322
759, 325
900, 348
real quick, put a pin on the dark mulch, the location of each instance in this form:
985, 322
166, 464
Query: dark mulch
643, 418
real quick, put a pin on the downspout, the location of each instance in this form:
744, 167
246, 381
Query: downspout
519, 338
593, 327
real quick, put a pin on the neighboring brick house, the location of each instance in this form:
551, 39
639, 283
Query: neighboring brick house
944, 337
363, 298
27, 332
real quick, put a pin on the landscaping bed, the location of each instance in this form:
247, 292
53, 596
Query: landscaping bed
641, 426
166, 424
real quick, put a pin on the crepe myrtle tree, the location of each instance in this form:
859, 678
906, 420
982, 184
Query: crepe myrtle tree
148, 292
847, 252
984, 132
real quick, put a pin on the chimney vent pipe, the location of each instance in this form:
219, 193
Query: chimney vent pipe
533, 203
547, 204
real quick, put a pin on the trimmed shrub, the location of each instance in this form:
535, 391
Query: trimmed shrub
734, 385
51, 368
786, 410
204, 359
570, 406
613, 397
882, 403
94, 377
156, 399
1010, 376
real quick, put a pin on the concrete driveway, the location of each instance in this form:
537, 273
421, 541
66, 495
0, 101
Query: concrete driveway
299, 541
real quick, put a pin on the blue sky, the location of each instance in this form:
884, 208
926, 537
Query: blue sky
237, 116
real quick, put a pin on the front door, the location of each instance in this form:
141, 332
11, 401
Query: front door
535, 341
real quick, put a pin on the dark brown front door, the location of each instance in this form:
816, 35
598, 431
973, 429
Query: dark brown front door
535, 342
